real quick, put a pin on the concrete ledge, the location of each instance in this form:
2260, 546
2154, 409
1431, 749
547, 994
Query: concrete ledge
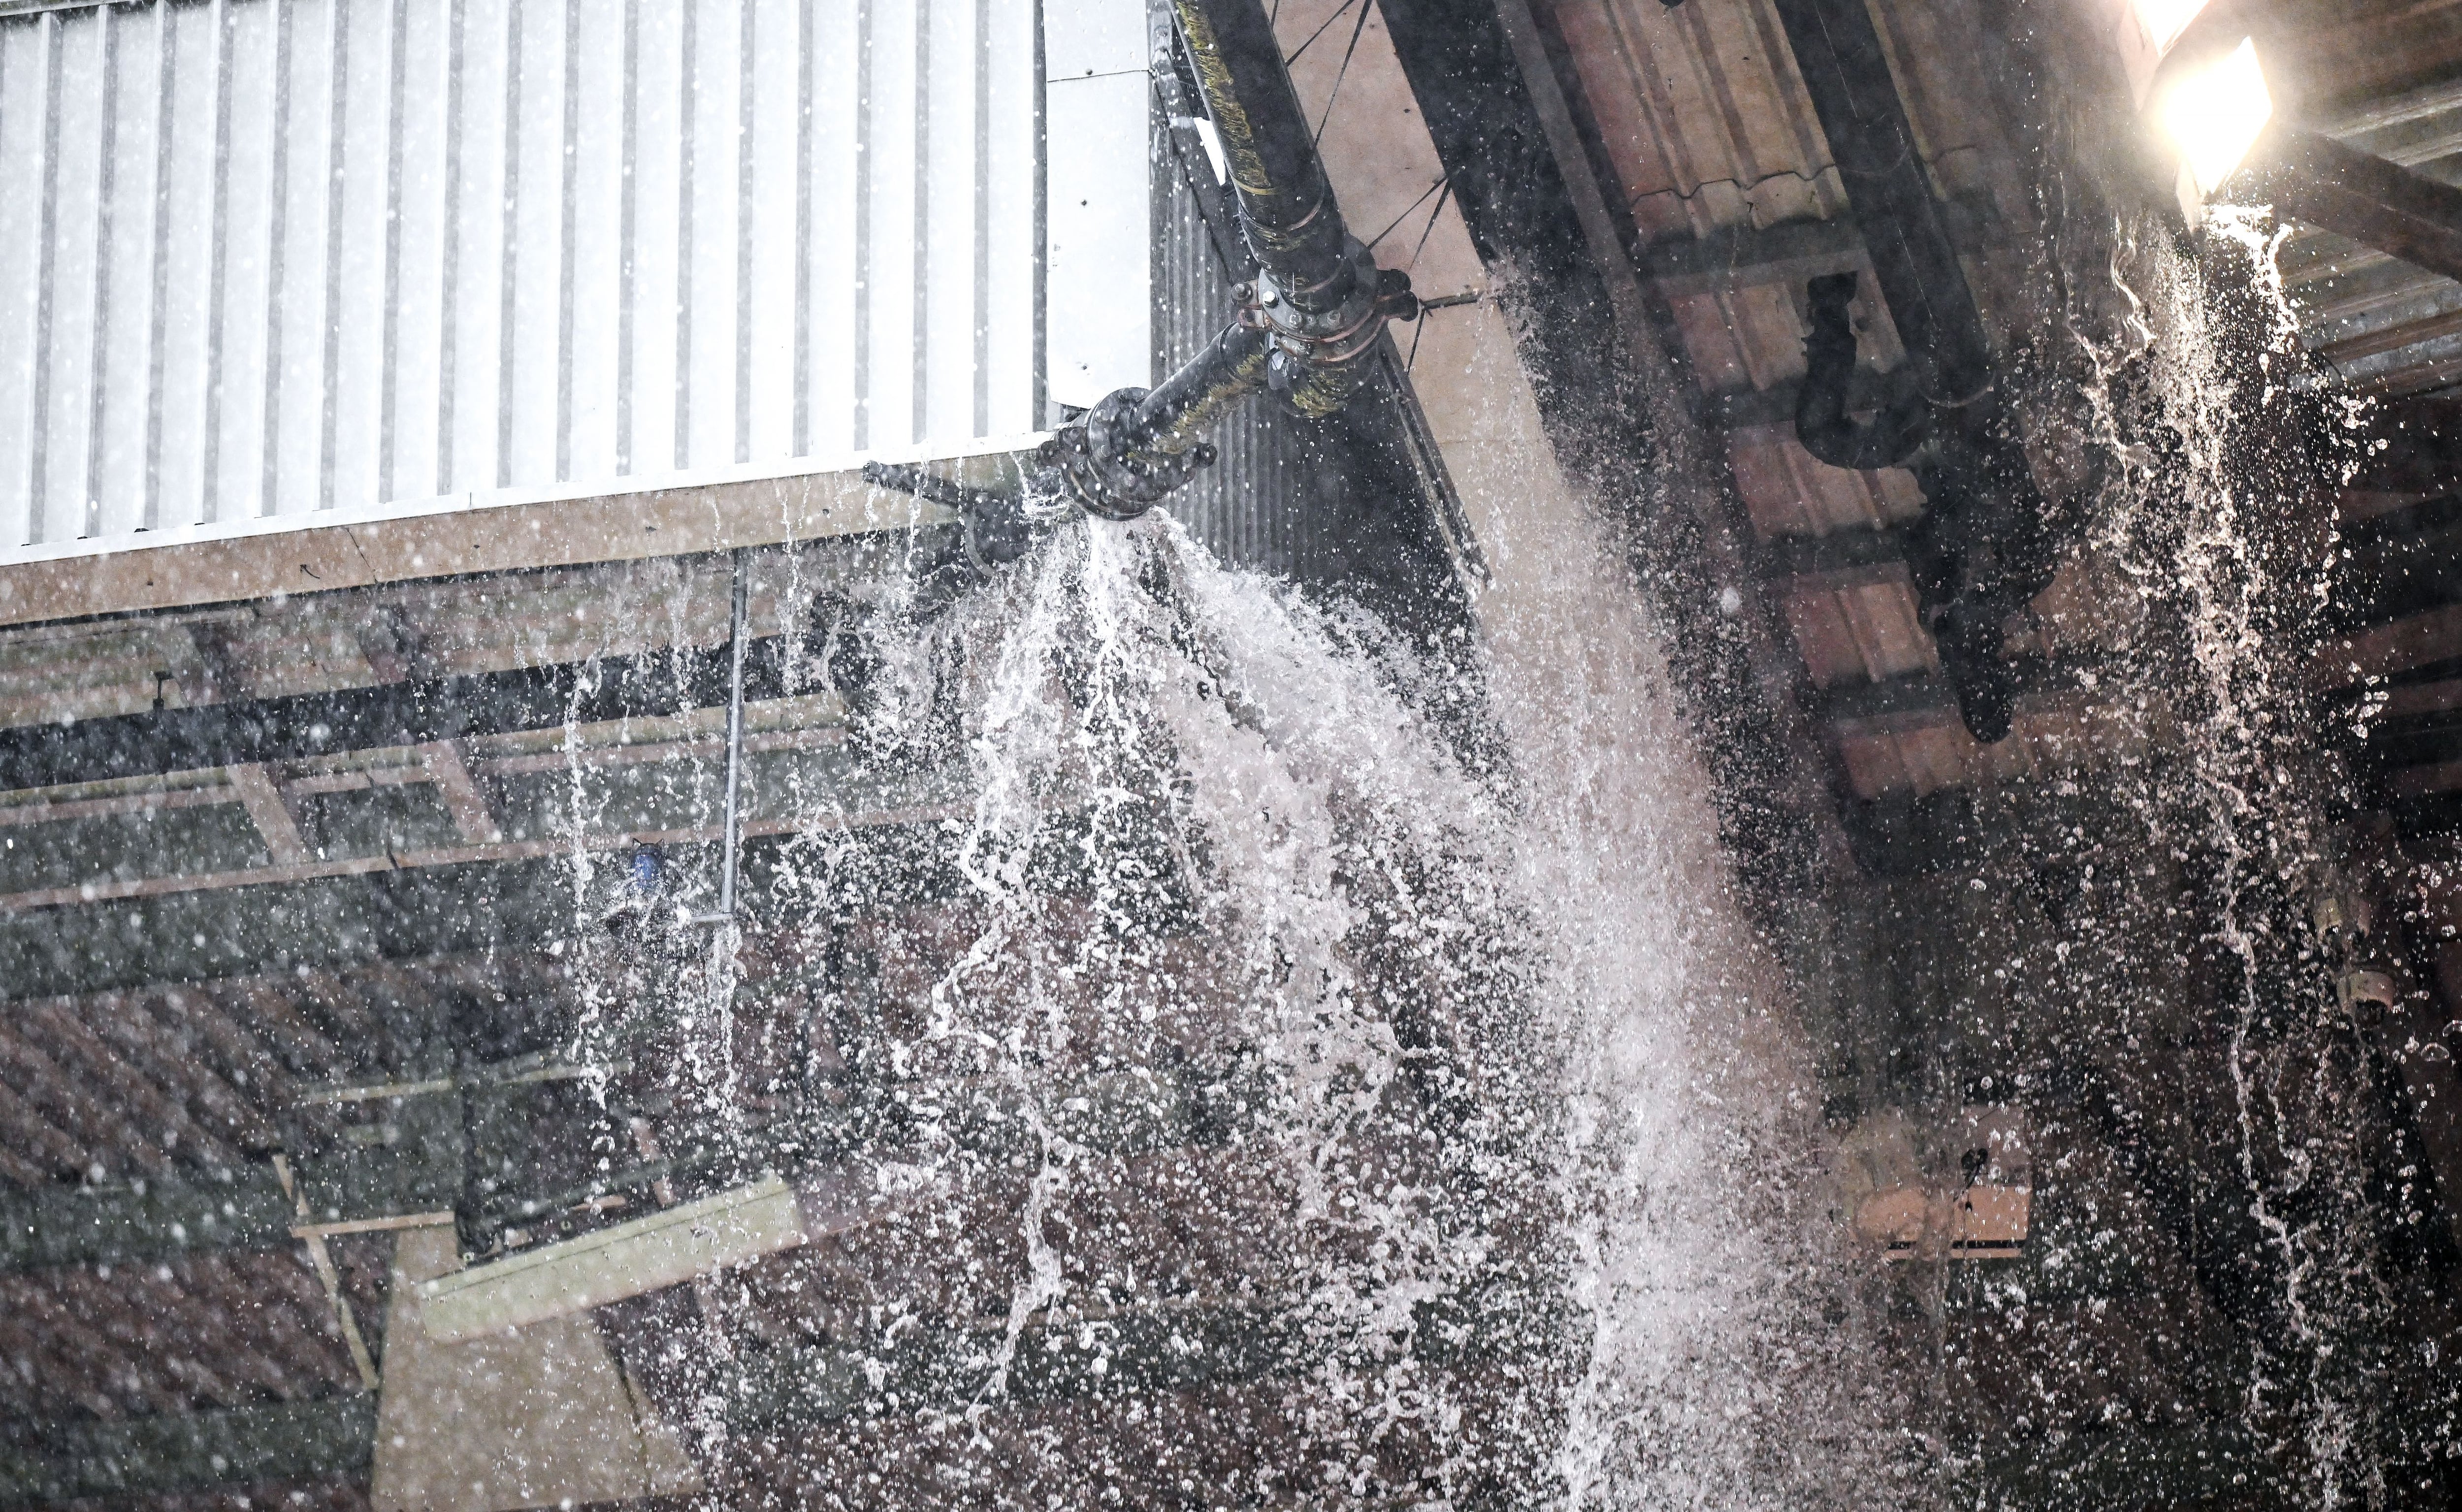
507, 530
642, 1255
328, 1439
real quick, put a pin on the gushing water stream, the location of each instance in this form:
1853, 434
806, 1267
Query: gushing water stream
1331, 1067
1495, 1166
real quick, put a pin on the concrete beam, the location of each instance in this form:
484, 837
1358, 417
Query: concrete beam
506, 530
333, 1439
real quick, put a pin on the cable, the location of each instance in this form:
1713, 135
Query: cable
1318, 32
1339, 75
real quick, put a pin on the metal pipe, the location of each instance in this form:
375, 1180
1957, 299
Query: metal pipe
1821, 423
738, 615
1888, 193
1286, 210
1981, 549
1316, 309
1175, 416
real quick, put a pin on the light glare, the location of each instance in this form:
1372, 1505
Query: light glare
2215, 114
2148, 30
2164, 20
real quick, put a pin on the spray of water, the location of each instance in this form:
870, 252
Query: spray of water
1483, 1139
2221, 445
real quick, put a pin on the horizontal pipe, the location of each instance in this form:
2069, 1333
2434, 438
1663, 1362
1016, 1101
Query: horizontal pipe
1175, 417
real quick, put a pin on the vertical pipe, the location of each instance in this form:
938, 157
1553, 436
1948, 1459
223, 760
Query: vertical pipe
738, 613
1286, 207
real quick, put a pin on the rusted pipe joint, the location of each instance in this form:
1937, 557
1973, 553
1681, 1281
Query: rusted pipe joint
1317, 341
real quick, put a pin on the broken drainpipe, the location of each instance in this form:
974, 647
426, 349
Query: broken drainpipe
1984, 547
1305, 326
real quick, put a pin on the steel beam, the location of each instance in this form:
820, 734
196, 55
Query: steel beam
2311, 177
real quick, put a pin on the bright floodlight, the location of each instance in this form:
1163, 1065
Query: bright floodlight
2164, 20
2213, 115
2148, 30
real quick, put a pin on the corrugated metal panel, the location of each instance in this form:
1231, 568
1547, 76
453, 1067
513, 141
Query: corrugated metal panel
268, 258
1241, 507
2388, 328
1098, 99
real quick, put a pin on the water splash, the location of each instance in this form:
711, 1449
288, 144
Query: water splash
1502, 1179
2220, 439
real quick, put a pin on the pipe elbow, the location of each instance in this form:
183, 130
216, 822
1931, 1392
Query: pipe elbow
1832, 436
1821, 423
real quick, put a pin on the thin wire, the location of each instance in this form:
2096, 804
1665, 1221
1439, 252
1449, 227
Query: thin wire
1431, 228
1318, 32
1419, 327
1407, 209
1339, 75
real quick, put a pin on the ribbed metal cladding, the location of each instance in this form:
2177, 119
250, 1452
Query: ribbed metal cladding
271, 257
1247, 508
